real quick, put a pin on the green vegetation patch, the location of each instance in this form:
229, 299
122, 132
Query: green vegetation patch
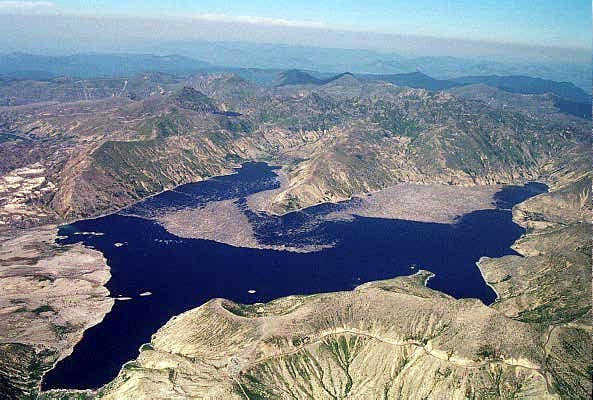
395, 122
219, 138
68, 395
7, 137
238, 125
45, 278
195, 100
61, 330
487, 352
146, 347
234, 158
291, 203
254, 389
242, 310
170, 125
145, 167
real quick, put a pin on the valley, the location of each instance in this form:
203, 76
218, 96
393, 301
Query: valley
342, 193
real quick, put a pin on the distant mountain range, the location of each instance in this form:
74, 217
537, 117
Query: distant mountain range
27, 66
320, 63
570, 98
528, 85
297, 77
20, 66
416, 79
361, 61
93, 76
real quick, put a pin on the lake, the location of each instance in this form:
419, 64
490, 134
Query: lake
184, 273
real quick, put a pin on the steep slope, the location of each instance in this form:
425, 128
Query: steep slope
551, 285
370, 343
296, 77
102, 155
502, 90
545, 105
230, 90
384, 135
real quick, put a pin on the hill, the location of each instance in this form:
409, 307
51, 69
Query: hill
416, 80
297, 77
529, 85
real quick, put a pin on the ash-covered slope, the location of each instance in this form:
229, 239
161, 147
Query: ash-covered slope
550, 286
390, 339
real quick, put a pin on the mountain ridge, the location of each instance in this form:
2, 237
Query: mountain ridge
335, 139
298, 77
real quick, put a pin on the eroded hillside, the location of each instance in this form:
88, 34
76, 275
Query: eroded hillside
551, 285
334, 140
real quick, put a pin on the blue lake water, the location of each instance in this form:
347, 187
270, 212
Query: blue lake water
185, 273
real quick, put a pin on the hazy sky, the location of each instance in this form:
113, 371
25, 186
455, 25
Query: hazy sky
533, 23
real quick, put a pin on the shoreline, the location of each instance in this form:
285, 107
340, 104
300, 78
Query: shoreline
426, 280
513, 246
62, 222
70, 350
485, 280
52, 277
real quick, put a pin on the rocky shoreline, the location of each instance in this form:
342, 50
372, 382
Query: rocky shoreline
49, 295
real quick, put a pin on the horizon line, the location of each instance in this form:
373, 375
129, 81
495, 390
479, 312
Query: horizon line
297, 25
